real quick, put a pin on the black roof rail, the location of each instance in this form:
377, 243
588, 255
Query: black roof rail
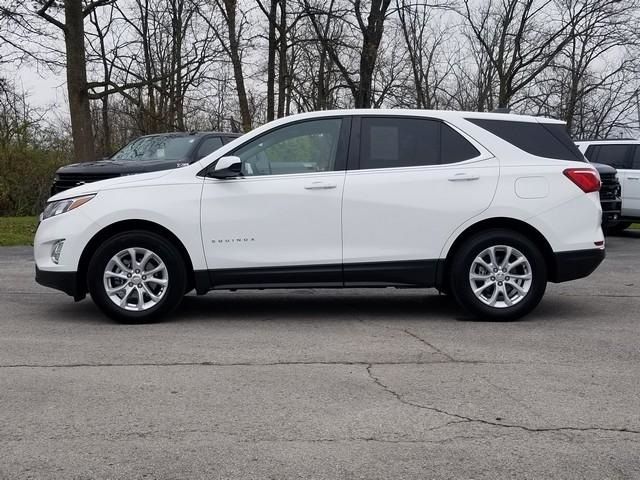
501, 110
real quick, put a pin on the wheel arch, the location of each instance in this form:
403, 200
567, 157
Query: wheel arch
498, 222
125, 226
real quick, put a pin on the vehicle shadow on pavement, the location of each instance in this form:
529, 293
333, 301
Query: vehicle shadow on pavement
309, 305
629, 233
316, 304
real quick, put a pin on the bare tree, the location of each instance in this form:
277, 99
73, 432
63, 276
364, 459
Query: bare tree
603, 31
367, 33
230, 36
520, 39
72, 27
424, 46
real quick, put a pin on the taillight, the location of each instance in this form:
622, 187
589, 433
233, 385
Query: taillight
587, 179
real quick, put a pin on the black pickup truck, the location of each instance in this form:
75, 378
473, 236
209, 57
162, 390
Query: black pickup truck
144, 154
610, 192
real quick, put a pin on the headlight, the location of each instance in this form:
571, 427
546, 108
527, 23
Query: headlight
62, 206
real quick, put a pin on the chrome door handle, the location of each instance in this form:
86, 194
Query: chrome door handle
320, 186
463, 177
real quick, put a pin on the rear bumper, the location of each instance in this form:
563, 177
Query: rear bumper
66, 282
576, 264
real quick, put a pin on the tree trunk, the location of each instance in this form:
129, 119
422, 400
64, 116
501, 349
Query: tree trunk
371, 36
271, 62
79, 108
282, 59
236, 61
106, 127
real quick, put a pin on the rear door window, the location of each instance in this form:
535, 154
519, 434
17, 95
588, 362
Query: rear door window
547, 140
399, 142
391, 142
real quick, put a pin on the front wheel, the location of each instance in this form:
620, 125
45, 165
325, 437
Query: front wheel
617, 228
136, 277
498, 275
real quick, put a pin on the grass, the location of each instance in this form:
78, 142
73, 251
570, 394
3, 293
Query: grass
635, 226
17, 230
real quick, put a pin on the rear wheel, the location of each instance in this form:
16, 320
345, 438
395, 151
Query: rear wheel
498, 275
136, 277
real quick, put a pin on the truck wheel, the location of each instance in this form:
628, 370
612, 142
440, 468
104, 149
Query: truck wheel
618, 227
498, 275
136, 277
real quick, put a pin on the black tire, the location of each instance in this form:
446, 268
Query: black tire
461, 265
618, 227
164, 250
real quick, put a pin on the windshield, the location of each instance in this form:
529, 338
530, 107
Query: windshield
156, 147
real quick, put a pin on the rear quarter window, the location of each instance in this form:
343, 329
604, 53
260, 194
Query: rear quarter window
547, 140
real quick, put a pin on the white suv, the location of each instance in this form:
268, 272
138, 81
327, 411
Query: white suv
623, 155
486, 207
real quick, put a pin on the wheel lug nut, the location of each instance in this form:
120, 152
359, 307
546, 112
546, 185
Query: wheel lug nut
493, 278
506, 278
495, 270
499, 284
137, 271
131, 284
144, 277
128, 275
139, 285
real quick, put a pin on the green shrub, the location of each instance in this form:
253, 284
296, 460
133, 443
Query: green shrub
26, 174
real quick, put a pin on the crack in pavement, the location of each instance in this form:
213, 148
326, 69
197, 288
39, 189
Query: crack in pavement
466, 419
406, 331
253, 364
430, 345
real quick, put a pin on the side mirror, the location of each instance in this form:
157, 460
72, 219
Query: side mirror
227, 167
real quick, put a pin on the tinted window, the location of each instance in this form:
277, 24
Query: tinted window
298, 148
399, 142
618, 156
543, 140
636, 159
455, 148
209, 145
592, 153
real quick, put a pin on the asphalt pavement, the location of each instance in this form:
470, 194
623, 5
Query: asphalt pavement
323, 384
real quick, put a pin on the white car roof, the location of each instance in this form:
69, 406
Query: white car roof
442, 114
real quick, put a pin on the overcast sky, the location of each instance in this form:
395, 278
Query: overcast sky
45, 89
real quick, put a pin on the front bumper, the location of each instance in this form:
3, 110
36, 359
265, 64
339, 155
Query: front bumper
610, 211
576, 264
66, 282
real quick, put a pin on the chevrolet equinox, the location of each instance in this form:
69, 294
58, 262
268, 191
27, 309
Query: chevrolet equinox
485, 207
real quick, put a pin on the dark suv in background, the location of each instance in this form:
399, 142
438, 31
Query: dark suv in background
610, 195
144, 154
624, 156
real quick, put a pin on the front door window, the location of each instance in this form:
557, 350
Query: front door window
303, 147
